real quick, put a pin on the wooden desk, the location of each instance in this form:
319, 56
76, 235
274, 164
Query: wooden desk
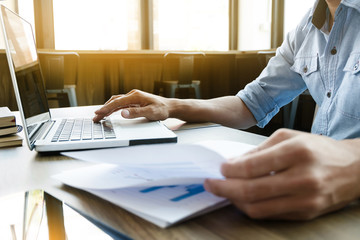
21, 169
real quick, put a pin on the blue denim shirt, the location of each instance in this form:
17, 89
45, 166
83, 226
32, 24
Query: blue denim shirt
327, 64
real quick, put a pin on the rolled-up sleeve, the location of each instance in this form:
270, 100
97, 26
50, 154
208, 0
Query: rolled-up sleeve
277, 85
261, 105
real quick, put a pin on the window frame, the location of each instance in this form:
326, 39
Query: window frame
45, 34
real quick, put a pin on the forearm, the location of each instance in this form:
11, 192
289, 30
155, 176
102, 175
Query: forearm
351, 149
229, 111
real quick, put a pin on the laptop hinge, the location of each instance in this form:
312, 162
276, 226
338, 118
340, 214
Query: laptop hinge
41, 132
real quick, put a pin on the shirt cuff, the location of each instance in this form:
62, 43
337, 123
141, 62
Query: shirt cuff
260, 104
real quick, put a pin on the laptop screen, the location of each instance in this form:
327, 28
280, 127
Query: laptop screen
25, 69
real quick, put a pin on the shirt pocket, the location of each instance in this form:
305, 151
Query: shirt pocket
348, 94
308, 68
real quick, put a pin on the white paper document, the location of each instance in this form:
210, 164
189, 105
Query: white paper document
161, 183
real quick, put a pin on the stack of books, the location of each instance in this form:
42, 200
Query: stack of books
9, 129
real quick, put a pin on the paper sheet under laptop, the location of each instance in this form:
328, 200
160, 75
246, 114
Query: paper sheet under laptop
160, 183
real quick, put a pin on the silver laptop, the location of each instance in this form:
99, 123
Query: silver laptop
45, 134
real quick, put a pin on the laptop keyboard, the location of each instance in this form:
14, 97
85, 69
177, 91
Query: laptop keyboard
83, 129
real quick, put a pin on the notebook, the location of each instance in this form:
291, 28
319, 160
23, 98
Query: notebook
44, 133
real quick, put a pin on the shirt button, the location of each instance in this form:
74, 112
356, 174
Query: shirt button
305, 69
356, 67
328, 94
333, 51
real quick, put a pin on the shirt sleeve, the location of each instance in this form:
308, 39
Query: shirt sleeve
277, 85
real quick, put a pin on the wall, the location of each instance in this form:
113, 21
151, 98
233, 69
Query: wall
7, 97
103, 74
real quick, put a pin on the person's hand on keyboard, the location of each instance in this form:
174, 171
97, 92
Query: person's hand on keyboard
135, 104
229, 111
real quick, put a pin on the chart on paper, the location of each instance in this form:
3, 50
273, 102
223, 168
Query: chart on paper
184, 191
148, 199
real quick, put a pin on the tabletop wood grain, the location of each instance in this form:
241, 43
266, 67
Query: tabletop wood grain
22, 169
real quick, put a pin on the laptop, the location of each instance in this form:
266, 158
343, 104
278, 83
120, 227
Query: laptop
45, 134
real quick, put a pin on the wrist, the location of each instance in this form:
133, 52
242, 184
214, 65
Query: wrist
176, 108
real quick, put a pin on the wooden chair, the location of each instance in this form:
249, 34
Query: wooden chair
53, 69
185, 74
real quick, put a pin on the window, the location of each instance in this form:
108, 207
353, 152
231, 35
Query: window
191, 25
26, 10
97, 25
12, 6
294, 12
254, 24
201, 25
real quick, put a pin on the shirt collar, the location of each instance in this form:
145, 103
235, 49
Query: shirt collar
318, 12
